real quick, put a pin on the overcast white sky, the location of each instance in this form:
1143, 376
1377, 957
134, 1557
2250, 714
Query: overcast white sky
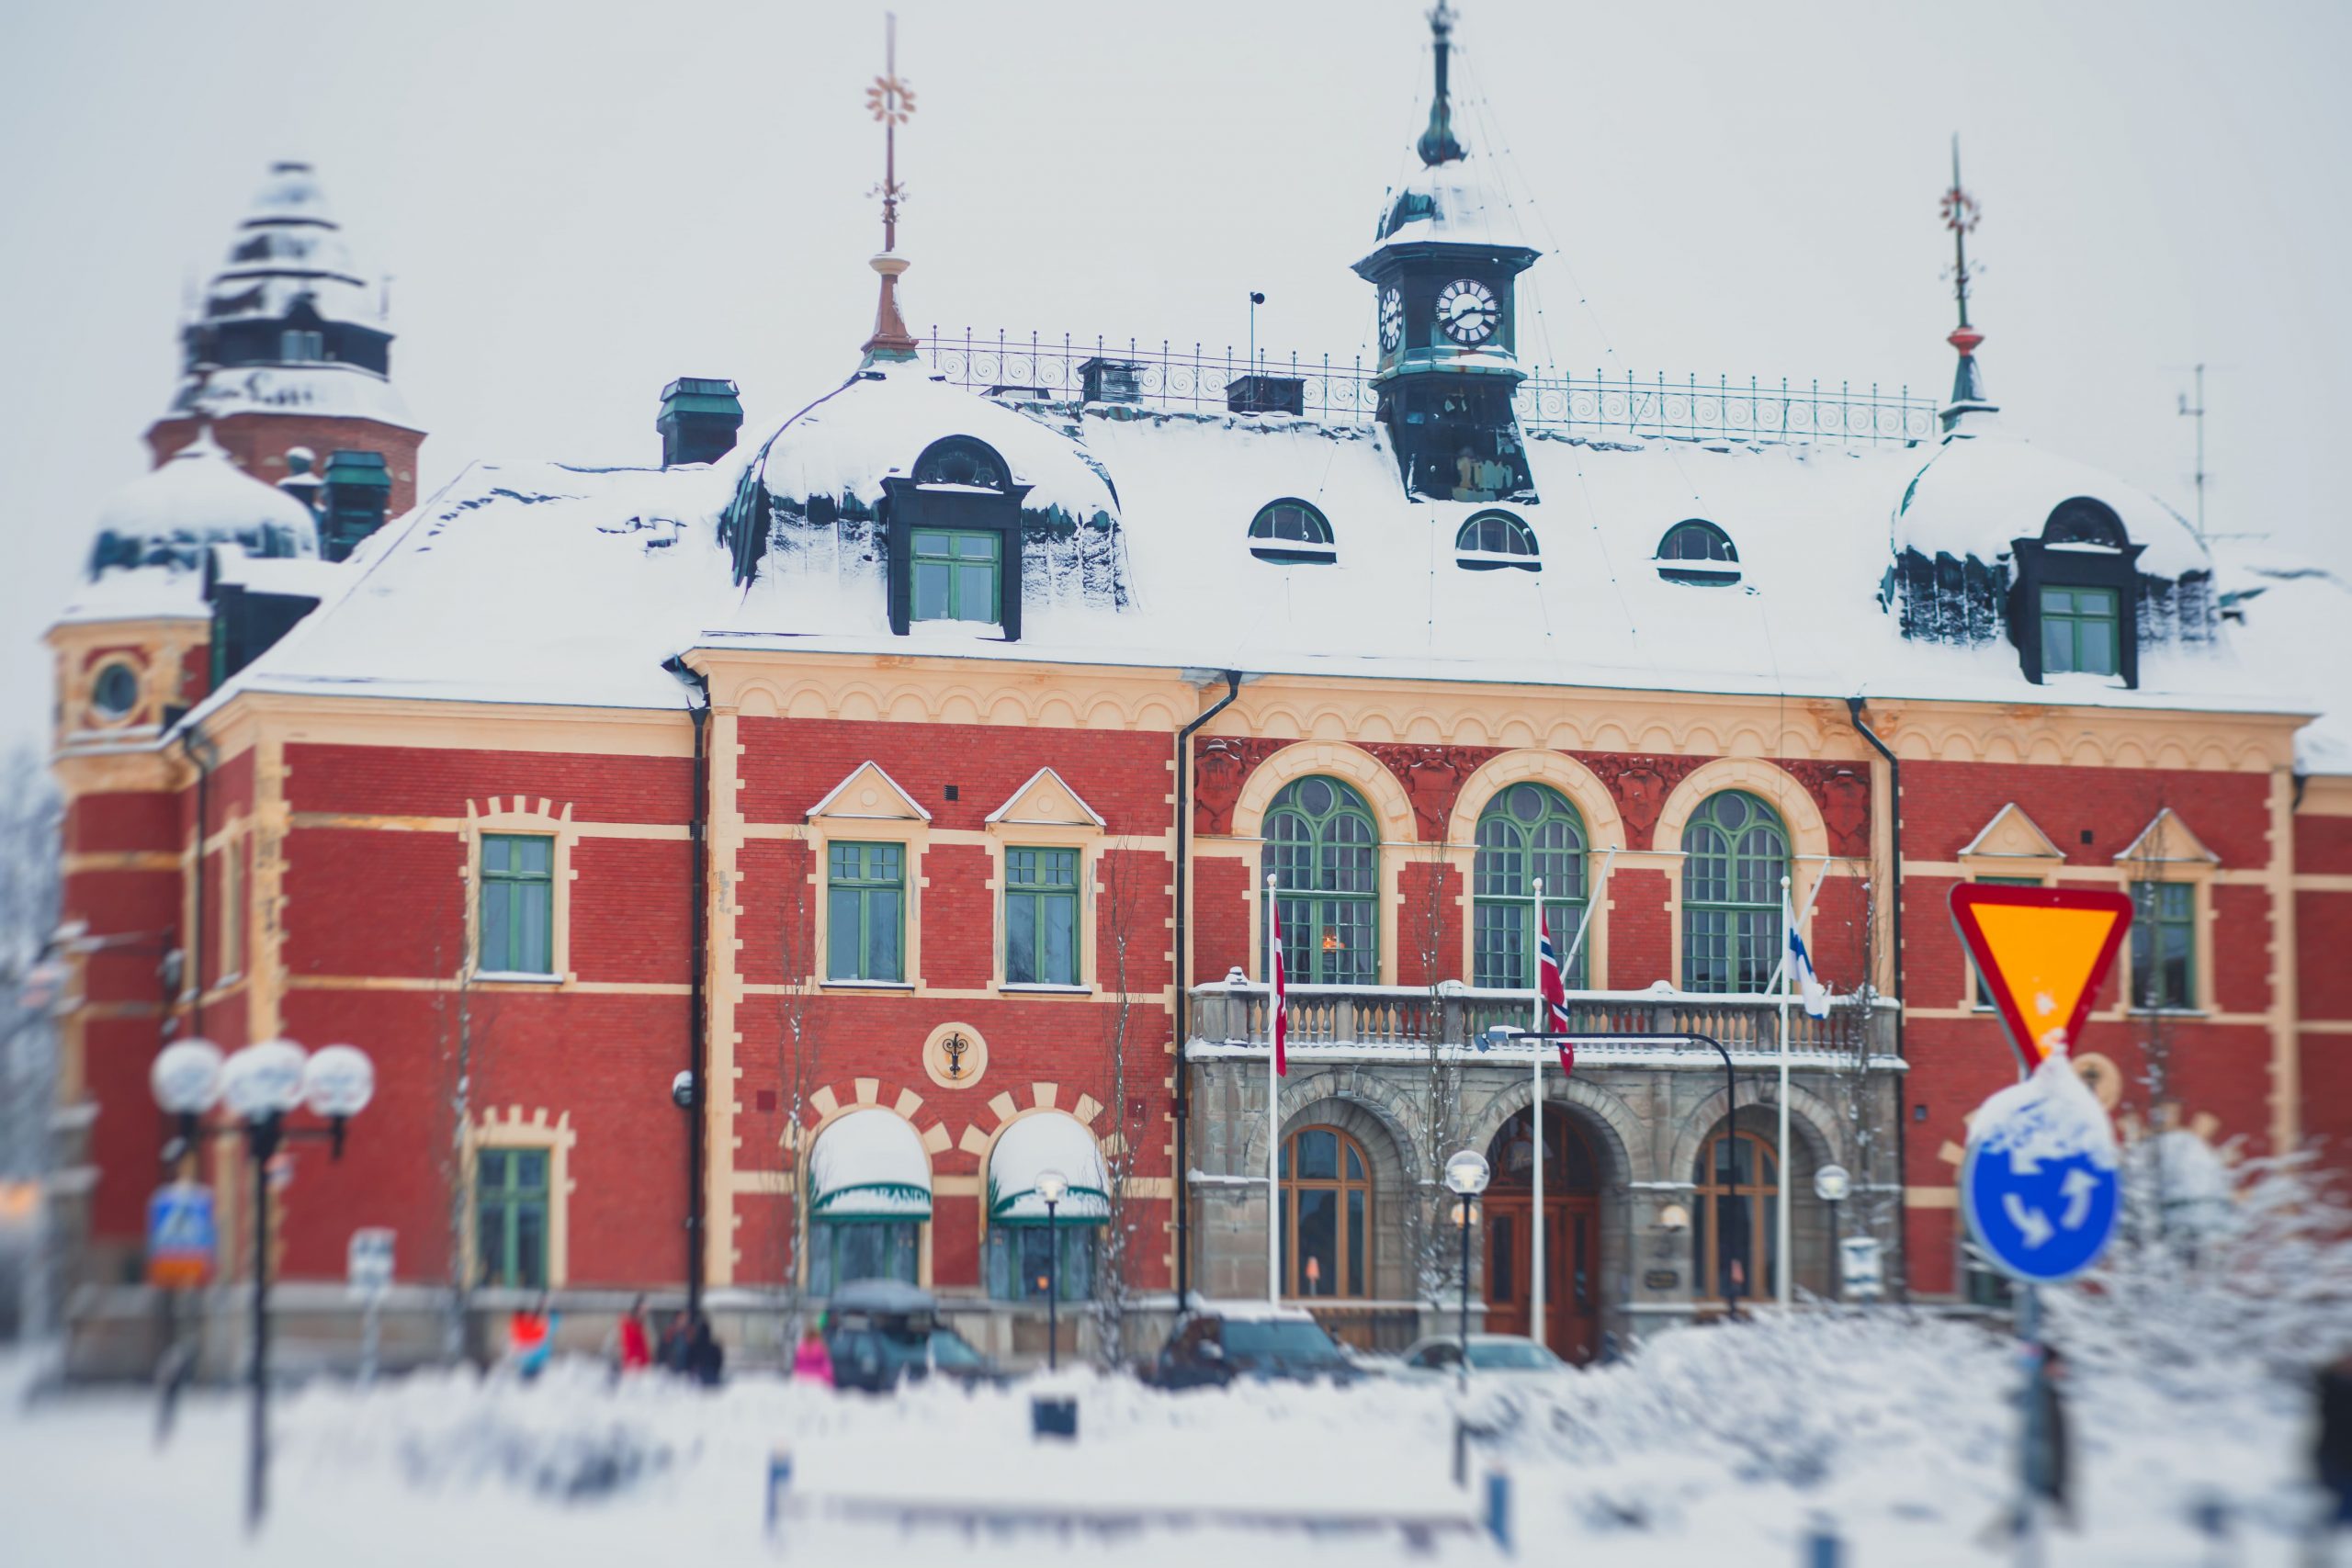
579, 202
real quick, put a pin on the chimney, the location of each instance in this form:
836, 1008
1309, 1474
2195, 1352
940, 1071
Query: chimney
299, 482
700, 415
1265, 394
1112, 381
358, 488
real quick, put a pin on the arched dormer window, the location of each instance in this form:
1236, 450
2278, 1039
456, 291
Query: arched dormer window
1291, 531
1695, 550
1492, 540
2083, 521
960, 460
2075, 605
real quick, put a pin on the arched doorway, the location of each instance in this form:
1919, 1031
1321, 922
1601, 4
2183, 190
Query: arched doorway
1571, 1234
1734, 1231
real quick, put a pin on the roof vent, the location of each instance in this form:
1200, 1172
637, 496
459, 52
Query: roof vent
1266, 394
700, 415
1112, 380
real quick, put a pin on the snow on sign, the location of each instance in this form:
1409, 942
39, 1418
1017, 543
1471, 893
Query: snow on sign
2041, 1184
2041, 954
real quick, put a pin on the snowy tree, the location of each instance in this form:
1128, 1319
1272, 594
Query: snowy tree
1118, 1265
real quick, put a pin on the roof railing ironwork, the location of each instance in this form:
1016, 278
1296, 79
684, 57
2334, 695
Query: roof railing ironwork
1171, 377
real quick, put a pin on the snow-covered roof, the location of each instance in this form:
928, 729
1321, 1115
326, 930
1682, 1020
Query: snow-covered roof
152, 535
348, 391
290, 247
1049, 1140
869, 1164
2297, 633
546, 583
1982, 486
1459, 202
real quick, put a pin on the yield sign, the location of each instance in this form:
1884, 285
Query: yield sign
2041, 954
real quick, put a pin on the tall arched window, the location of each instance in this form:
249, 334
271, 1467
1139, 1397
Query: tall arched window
1326, 1214
1323, 850
1528, 830
1736, 1218
1734, 854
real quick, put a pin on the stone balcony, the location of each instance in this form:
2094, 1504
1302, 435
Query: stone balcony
1405, 1022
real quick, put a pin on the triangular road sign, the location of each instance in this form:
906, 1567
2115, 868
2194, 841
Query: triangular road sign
2041, 954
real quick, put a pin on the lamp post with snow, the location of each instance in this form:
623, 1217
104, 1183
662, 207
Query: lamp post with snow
1467, 1174
260, 1085
1052, 1187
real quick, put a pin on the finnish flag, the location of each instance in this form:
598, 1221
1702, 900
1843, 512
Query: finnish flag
1817, 995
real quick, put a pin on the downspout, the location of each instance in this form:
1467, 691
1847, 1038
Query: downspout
1854, 709
192, 949
1184, 984
698, 1006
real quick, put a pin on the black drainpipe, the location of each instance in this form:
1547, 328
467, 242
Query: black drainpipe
1854, 706
1185, 985
697, 1006
192, 949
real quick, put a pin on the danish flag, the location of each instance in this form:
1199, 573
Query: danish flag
1555, 991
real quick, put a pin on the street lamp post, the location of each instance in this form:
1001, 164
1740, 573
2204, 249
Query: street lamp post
260, 1085
1467, 1174
1052, 1185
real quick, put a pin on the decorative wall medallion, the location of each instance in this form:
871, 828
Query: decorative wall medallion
956, 1056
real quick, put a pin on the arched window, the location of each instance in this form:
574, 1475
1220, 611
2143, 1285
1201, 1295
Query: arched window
2083, 521
1323, 851
1326, 1214
961, 461
1736, 1221
1496, 539
1291, 530
1734, 854
1529, 830
1695, 550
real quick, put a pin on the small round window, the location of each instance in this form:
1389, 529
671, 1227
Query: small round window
1291, 531
1492, 540
116, 691
1697, 551
960, 460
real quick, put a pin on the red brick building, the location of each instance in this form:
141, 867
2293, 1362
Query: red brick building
912, 779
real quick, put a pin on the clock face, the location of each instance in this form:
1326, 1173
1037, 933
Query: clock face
1467, 312
1392, 319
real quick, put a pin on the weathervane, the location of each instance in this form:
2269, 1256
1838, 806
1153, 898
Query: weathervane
890, 101
1961, 213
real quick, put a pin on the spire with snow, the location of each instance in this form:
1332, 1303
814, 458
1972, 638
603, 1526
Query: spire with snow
891, 102
1961, 214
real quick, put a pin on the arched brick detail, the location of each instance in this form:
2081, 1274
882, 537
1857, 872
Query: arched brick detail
1624, 1140
1604, 824
1381, 789
1812, 1121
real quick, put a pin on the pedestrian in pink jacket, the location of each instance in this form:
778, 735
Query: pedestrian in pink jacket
812, 1363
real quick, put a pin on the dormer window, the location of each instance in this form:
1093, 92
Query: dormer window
1695, 551
1292, 532
2074, 607
297, 347
953, 535
1493, 540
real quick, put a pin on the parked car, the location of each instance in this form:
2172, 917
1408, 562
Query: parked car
1506, 1355
1212, 1346
883, 1332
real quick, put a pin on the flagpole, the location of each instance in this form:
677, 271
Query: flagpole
1538, 1326
1786, 1187
1273, 1107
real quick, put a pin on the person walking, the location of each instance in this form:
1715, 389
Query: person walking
636, 1353
706, 1358
812, 1363
530, 1338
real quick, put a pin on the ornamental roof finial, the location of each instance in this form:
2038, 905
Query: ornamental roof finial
1438, 144
891, 102
1961, 214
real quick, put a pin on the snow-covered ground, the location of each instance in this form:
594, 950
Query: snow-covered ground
1898, 1430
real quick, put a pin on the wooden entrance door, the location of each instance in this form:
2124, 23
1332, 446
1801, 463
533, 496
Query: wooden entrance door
1571, 1240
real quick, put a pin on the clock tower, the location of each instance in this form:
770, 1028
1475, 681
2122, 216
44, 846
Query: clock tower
1444, 268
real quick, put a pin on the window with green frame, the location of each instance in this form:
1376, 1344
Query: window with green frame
2164, 944
1735, 852
842, 1250
865, 892
1023, 1261
2079, 631
1323, 850
957, 575
511, 1217
1041, 916
1528, 831
517, 904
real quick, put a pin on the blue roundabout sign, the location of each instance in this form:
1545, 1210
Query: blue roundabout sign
2041, 1184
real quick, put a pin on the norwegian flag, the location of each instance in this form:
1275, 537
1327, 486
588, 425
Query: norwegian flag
1555, 990
1282, 993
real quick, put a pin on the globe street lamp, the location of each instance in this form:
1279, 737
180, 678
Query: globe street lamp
1052, 1187
1467, 1174
260, 1085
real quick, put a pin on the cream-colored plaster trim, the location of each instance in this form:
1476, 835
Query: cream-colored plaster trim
265, 966
803, 1142
510, 1128
2171, 852
1085, 837
1392, 814
1046, 800
2325, 795
2167, 841
869, 824
869, 793
722, 981
676, 832
1932, 1197
2286, 980
2010, 837
536, 817
984, 1146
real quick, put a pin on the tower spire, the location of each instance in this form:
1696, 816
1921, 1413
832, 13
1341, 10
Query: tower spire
891, 102
1438, 144
1961, 213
